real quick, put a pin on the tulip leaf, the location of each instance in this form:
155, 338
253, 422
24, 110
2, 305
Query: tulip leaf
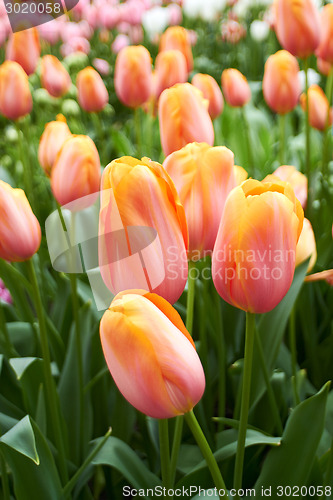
121, 457
22, 337
31, 462
271, 328
290, 464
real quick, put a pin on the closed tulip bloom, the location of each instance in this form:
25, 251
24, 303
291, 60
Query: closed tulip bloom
297, 180
306, 246
240, 174
178, 38
325, 48
203, 176
92, 93
15, 95
319, 114
184, 118
76, 170
253, 260
170, 68
211, 91
150, 355
20, 233
133, 76
323, 66
51, 141
143, 233
54, 76
281, 86
297, 26
24, 48
235, 88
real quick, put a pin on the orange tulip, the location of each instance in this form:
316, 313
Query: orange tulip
170, 68
143, 232
92, 93
184, 118
297, 26
54, 77
211, 91
323, 66
133, 76
15, 95
240, 174
296, 179
319, 114
24, 48
325, 48
177, 38
150, 354
281, 85
253, 259
235, 88
306, 246
20, 233
203, 176
51, 141
76, 170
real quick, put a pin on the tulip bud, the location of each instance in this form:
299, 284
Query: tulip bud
306, 246
143, 233
24, 48
323, 66
15, 95
253, 259
177, 38
170, 68
150, 355
295, 178
54, 77
132, 76
184, 118
325, 48
211, 91
281, 86
235, 88
203, 176
240, 174
51, 141
297, 26
76, 170
20, 233
92, 93
320, 116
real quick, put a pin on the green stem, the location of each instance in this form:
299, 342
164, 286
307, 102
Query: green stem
4, 478
207, 454
282, 150
293, 351
177, 438
246, 388
250, 165
137, 120
70, 485
51, 393
221, 357
9, 350
269, 388
326, 138
25, 159
163, 427
307, 139
190, 297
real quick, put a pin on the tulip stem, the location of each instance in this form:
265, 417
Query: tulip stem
163, 427
137, 120
25, 159
177, 438
207, 454
270, 392
221, 356
250, 165
293, 351
282, 122
326, 138
307, 139
246, 388
51, 392
9, 350
190, 297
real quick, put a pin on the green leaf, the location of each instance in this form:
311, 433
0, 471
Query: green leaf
21, 439
291, 463
121, 457
23, 337
271, 328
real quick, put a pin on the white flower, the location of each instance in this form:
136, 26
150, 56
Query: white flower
313, 78
155, 20
259, 30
